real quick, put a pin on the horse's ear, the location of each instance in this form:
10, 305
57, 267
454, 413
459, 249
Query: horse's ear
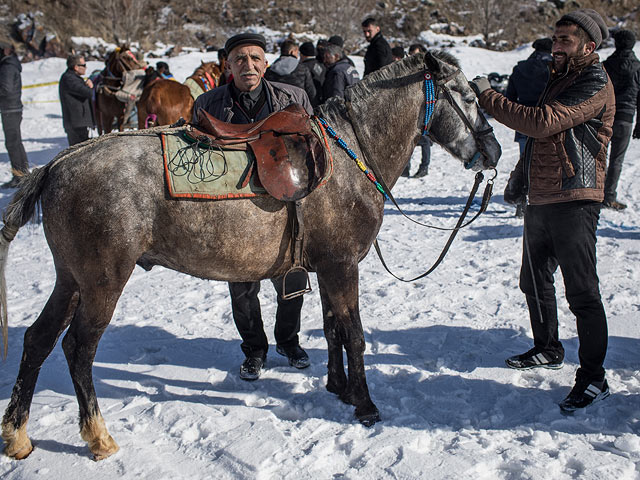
431, 62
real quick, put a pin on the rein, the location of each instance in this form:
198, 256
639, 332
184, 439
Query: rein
431, 97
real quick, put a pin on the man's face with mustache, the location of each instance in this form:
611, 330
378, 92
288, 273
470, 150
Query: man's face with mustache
567, 44
247, 64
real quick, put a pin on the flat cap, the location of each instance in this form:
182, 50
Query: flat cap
245, 39
591, 22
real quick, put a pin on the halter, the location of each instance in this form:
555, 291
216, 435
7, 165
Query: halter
431, 97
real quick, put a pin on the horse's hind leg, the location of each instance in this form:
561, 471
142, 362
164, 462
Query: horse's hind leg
97, 304
339, 291
39, 340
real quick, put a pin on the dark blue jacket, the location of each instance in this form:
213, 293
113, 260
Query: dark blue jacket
339, 76
10, 84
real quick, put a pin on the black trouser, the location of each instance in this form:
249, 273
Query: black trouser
77, 135
564, 234
425, 147
619, 144
248, 318
13, 141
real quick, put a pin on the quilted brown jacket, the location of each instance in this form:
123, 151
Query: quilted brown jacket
565, 157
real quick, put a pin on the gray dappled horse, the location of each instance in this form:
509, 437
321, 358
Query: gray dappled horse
105, 207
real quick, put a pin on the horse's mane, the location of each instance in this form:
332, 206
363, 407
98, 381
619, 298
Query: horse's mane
401, 68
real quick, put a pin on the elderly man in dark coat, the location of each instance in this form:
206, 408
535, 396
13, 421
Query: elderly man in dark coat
379, 52
11, 112
623, 68
247, 99
75, 97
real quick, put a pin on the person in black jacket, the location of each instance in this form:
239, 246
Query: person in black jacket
75, 98
247, 99
379, 52
317, 69
623, 68
340, 73
287, 69
11, 112
526, 84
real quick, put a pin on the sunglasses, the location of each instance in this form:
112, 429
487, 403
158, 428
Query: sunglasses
81, 65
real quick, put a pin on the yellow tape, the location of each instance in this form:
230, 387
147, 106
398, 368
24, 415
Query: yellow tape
43, 101
46, 84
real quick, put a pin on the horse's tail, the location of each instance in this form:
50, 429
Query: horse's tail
21, 209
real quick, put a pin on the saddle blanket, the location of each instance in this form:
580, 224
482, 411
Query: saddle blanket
196, 169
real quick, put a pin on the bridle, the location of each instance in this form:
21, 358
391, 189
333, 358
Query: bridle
431, 95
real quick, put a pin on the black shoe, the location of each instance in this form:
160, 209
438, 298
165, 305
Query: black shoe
297, 356
422, 172
13, 183
583, 394
614, 205
251, 368
534, 358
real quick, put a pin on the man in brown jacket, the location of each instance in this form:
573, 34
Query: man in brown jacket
562, 171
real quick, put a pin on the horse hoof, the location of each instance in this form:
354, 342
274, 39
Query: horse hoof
17, 442
103, 448
370, 418
19, 453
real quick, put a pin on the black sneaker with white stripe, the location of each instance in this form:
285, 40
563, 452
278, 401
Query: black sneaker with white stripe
534, 358
583, 394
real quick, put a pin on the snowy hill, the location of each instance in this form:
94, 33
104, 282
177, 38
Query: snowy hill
166, 371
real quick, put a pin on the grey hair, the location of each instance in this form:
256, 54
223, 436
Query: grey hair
333, 49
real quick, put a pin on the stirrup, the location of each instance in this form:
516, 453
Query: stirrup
306, 289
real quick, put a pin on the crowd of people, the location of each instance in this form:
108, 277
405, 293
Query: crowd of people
564, 104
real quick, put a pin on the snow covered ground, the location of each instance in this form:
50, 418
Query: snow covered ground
166, 372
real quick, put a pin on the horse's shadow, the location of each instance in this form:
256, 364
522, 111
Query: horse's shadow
418, 377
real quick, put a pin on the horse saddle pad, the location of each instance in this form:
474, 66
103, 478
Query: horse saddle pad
199, 170
290, 150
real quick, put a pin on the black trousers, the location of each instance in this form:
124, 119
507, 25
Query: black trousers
619, 144
77, 135
564, 234
13, 141
248, 317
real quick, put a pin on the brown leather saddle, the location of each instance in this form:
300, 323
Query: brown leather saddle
289, 156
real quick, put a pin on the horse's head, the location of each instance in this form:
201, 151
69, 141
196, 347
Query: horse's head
456, 122
207, 74
121, 60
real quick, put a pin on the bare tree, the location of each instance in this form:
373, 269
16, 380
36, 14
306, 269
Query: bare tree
496, 20
338, 17
122, 18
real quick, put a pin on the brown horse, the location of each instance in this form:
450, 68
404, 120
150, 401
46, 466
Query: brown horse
97, 239
163, 102
108, 107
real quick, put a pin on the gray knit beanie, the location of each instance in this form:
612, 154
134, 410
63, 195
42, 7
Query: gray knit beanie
591, 22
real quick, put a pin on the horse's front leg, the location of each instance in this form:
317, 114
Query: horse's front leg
339, 291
